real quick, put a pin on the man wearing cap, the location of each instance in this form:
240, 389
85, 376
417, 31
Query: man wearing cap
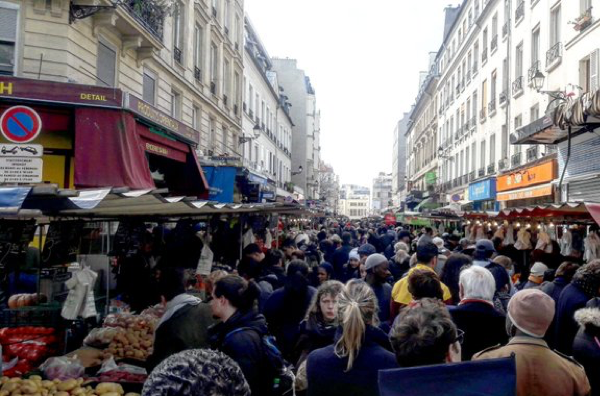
484, 250
540, 371
377, 267
536, 276
427, 257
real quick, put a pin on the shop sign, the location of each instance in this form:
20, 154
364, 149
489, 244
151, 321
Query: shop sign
21, 170
534, 192
20, 124
485, 189
430, 178
21, 150
157, 117
57, 92
543, 173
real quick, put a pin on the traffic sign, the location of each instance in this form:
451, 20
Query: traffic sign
21, 150
20, 124
21, 170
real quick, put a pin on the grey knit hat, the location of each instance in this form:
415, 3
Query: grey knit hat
197, 372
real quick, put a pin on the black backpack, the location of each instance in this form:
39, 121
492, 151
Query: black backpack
281, 371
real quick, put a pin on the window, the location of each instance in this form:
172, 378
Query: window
175, 105
504, 142
534, 113
518, 124
211, 134
535, 49
470, 17
473, 157
214, 62
476, 8
505, 77
226, 16
484, 42
236, 31
467, 163
493, 86
495, 26
226, 84
484, 94
555, 16
196, 118
236, 88
149, 88
461, 166
8, 38
492, 149
198, 37
106, 65
519, 60
482, 155
588, 72
475, 104
224, 145
178, 33
475, 56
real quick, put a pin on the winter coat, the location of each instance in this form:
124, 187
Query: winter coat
383, 292
349, 273
340, 257
327, 375
553, 289
314, 335
483, 325
571, 299
245, 347
398, 269
186, 329
586, 346
284, 319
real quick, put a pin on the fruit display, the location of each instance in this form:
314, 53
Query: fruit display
29, 345
72, 387
26, 300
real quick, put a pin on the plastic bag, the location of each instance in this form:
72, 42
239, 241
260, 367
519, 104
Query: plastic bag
100, 337
205, 262
62, 368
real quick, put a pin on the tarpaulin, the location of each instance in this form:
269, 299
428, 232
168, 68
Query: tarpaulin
12, 198
494, 377
107, 150
221, 180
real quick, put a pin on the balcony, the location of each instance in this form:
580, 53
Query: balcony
583, 21
505, 28
532, 153
515, 160
535, 67
177, 54
484, 55
517, 86
492, 107
494, 43
502, 98
553, 56
198, 74
503, 164
149, 14
491, 169
520, 12
471, 176
482, 115
481, 172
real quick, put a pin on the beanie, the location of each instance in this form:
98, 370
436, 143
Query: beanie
531, 311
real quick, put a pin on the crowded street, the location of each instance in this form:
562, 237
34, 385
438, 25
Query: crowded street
299, 198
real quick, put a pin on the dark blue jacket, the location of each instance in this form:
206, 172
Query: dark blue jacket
245, 348
327, 376
553, 289
339, 258
565, 328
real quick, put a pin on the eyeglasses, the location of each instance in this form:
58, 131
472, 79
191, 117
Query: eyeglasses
460, 336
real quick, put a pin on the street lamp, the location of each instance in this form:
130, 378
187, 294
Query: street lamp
298, 172
442, 155
256, 131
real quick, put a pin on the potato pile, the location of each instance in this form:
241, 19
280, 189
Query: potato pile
135, 340
74, 387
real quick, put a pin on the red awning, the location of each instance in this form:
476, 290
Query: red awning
576, 211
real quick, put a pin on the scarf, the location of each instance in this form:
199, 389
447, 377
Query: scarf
176, 304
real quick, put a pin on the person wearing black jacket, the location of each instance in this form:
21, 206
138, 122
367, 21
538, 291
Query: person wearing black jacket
240, 333
340, 256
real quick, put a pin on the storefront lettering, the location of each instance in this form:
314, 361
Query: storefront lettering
156, 149
6, 89
90, 96
156, 116
527, 177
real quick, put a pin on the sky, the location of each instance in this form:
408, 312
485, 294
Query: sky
363, 59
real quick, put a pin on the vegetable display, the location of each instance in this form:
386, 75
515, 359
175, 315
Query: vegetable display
35, 386
26, 300
30, 345
135, 338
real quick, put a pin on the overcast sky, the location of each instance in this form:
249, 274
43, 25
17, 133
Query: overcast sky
363, 59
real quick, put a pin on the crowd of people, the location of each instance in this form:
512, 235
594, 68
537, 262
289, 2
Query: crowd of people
341, 303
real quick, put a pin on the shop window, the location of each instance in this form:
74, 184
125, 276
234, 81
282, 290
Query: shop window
149, 88
8, 37
106, 65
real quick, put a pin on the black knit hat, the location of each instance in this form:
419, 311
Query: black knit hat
197, 372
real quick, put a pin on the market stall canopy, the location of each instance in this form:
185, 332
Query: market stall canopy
107, 203
575, 211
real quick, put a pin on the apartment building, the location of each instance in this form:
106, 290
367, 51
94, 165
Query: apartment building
267, 126
354, 201
399, 162
382, 193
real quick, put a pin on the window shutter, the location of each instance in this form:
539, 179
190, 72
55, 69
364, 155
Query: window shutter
594, 70
106, 65
8, 24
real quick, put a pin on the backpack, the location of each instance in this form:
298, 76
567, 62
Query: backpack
281, 371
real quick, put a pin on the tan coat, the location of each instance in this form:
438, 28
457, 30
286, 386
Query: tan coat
541, 371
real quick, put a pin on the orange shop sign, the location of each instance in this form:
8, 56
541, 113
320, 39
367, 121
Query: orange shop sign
543, 173
533, 192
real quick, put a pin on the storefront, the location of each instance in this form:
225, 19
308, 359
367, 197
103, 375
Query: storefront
102, 137
527, 186
483, 195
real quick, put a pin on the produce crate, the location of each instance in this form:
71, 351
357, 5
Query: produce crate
47, 315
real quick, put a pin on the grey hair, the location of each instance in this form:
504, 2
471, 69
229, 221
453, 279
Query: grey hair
477, 282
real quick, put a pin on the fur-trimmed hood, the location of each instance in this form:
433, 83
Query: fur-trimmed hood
588, 317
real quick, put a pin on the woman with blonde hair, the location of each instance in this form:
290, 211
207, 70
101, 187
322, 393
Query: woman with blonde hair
349, 366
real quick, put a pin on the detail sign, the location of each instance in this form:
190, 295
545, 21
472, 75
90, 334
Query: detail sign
21, 170
20, 124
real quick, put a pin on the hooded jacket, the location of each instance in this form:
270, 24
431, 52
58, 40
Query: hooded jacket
586, 346
571, 299
245, 347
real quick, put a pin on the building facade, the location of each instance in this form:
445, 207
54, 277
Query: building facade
399, 162
329, 188
354, 201
306, 130
266, 141
382, 193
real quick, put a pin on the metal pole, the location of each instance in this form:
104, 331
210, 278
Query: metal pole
106, 309
241, 236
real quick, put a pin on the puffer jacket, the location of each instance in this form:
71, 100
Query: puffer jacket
586, 346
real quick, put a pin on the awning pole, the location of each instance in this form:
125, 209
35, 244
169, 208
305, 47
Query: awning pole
241, 237
106, 309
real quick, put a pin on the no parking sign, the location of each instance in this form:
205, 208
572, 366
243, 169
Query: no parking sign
20, 124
